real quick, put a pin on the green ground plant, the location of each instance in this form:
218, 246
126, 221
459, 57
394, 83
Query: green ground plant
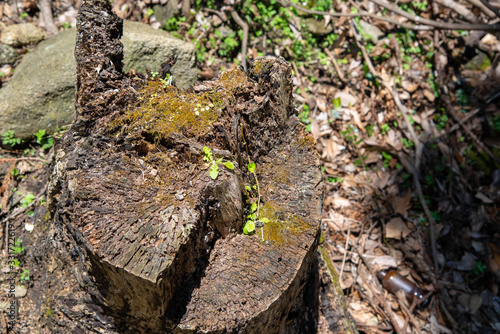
9, 139
214, 164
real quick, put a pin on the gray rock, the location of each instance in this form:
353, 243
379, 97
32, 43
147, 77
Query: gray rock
41, 93
144, 47
163, 13
7, 54
22, 34
370, 32
318, 27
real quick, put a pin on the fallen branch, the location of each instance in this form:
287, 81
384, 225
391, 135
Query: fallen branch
427, 24
490, 7
483, 8
418, 146
460, 9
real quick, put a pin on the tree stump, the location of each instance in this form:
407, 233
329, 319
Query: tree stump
157, 239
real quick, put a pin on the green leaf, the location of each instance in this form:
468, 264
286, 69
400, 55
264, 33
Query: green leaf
264, 220
39, 136
337, 103
214, 171
208, 154
253, 208
251, 167
248, 188
27, 200
249, 227
229, 165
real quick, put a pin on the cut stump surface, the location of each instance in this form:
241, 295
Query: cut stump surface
161, 239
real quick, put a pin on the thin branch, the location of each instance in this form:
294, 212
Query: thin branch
220, 14
46, 18
427, 24
435, 24
460, 9
483, 8
490, 7
336, 65
244, 43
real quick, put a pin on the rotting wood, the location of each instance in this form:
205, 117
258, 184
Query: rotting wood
158, 242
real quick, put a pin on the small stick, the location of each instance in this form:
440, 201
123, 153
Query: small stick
336, 65
244, 43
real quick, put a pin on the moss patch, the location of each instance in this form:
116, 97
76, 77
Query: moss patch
162, 110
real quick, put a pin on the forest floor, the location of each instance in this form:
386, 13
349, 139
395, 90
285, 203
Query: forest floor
407, 122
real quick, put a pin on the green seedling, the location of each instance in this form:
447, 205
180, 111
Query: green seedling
17, 248
14, 263
25, 276
8, 138
44, 140
27, 200
214, 164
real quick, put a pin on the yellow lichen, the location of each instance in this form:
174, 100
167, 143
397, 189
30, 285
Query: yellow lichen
283, 227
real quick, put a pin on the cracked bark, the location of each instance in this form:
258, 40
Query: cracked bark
169, 256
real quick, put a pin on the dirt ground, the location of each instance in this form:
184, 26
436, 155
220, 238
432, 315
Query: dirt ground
408, 129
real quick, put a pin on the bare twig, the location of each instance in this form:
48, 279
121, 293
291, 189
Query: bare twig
5, 185
336, 65
5, 160
483, 8
385, 306
490, 7
427, 24
220, 14
460, 9
401, 295
244, 43
432, 23
46, 19
345, 254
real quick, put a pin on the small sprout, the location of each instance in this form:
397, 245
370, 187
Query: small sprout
214, 171
27, 200
251, 167
214, 168
25, 275
249, 227
228, 164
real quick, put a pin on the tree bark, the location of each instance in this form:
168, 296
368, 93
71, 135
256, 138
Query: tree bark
156, 243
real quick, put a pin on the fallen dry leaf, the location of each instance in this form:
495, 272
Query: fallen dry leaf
383, 262
396, 228
401, 204
338, 202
